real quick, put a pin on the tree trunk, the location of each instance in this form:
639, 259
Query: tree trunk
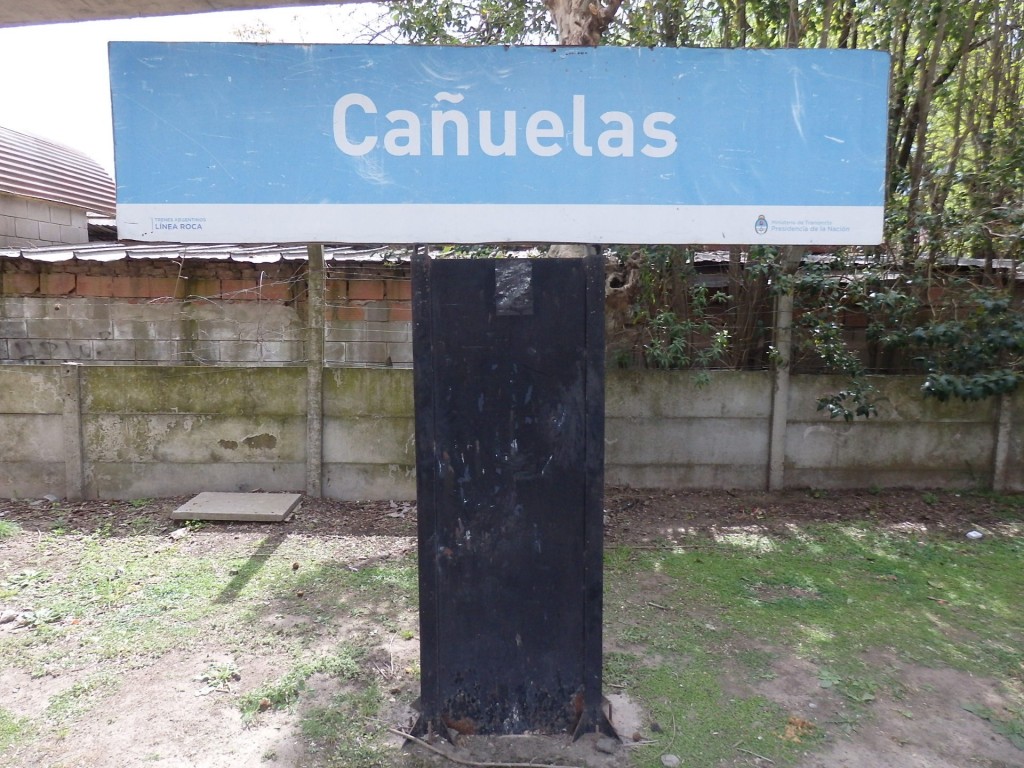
918, 140
582, 22
579, 22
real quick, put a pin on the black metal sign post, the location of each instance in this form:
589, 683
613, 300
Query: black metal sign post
509, 391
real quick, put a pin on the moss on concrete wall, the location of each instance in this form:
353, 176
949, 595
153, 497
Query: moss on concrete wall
155, 430
243, 391
368, 392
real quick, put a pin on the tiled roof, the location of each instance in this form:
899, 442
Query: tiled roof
34, 167
253, 254
383, 254
14, 13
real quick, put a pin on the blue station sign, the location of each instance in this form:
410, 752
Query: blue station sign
238, 142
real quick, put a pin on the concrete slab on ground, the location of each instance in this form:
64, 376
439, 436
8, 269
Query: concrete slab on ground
238, 507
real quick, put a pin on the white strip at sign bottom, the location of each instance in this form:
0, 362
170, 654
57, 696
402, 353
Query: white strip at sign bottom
467, 223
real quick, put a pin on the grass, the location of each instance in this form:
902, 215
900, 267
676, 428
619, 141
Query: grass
285, 690
345, 733
1009, 507
79, 697
838, 590
1011, 729
115, 603
695, 629
697, 719
834, 594
12, 729
122, 598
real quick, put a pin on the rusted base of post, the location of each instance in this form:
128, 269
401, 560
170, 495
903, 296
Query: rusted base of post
596, 719
430, 728
588, 719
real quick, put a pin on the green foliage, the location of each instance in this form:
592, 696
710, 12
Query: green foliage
967, 339
484, 22
676, 311
823, 292
674, 340
857, 400
976, 354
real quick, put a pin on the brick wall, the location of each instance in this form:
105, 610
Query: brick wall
369, 316
26, 222
199, 311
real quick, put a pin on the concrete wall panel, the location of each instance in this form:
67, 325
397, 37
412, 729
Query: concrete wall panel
674, 394
31, 479
138, 480
871, 477
707, 441
746, 477
188, 438
247, 391
1015, 449
898, 398
172, 430
370, 481
368, 392
881, 445
31, 437
30, 389
369, 440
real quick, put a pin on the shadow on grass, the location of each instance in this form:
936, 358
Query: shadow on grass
256, 562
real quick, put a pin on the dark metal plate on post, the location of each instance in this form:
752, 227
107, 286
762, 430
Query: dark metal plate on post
509, 388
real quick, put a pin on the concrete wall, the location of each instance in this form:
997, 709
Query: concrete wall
913, 442
368, 431
139, 431
32, 460
166, 431
26, 222
663, 429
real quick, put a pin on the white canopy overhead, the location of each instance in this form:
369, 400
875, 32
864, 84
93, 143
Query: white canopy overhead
14, 14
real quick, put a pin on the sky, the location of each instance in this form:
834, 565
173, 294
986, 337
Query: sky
56, 84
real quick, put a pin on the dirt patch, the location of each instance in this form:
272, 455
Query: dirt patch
646, 517
928, 726
161, 715
633, 516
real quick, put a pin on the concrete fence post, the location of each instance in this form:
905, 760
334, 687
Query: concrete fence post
791, 257
74, 464
1001, 455
315, 371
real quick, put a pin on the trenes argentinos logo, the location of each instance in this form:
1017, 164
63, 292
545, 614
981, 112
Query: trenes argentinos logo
761, 225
